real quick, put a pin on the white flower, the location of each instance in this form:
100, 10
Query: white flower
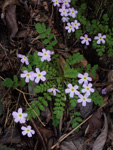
66, 3
85, 39
84, 78
72, 12
27, 75
56, 3
72, 90
88, 89
100, 38
24, 59
19, 116
65, 19
53, 90
39, 75
27, 130
83, 99
45, 55
69, 27
75, 24
63, 11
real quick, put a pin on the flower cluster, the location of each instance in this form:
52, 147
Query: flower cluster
66, 13
33, 76
20, 117
100, 39
38, 75
87, 89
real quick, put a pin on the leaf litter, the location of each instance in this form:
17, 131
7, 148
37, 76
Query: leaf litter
21, 32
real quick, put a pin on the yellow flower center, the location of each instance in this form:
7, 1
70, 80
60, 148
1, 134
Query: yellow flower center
86, 39
70, 27
24, 57
87, 89
72, 11
28, 75
39, 75
64, 11
28, 130
84, 99
56, 1
72, 89
84, 78
53, 89
45, 54
20, 115
100, 38
75, 24
65, 2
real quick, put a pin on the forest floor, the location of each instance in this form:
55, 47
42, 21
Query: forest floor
19, 35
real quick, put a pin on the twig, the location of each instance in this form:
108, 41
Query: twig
39, 134
25, 101
64, 137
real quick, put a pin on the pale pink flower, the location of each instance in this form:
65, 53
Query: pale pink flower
45, 55
75, 24
63, 11
83, 99
69, 27
27, 75
65, 19
72, 12
24, 59
72, 90
88, 89
39, 75
56, 3
100, 38
27, 130
85, 39
54, 90
19, 116
66, 3
104, 91
84, 78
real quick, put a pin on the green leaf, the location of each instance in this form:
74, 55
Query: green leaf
43, 27
71, 73
105, 17
22, 82
43, 35
38, 28
53, 43
49, 47
48, 31
8, 82
15, 78
46, 41
51, 36
41, 107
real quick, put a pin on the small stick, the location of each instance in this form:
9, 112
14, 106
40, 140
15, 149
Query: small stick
61, 139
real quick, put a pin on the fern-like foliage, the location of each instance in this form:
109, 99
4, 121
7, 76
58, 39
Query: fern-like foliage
58, 109
76, 119
46, 35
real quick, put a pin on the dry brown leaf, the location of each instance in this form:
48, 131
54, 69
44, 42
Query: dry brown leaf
12, 135
101, 139
110, 76
73, 145
62, 62
95, 123
11, 20
8, 3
